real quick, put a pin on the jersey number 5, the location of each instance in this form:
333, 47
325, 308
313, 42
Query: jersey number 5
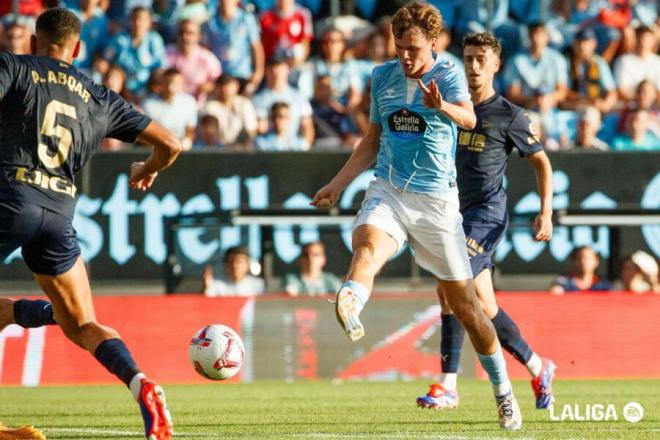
51, 129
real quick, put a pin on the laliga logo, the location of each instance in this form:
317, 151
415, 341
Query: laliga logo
633, 412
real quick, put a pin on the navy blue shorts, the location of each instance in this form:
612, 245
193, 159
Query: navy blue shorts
482, 235
48, 240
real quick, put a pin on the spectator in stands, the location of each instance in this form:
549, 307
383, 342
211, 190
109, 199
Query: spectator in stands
638, 136
199, 67
344, 73
646, 98
233, 36
442, 44
193, 10
236, 113
287, 29
311, 279
280, 137
237, 280
537, 78
173, 108
138, 51
589, 125
370, 52
591, 81
25, 7
333, 125
208, 133
644, 63
93, 33
483, 15
361, 114
277, 89
115, 80
17, 38
584, 262
639, 274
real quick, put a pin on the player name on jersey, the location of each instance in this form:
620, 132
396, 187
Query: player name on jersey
63, 79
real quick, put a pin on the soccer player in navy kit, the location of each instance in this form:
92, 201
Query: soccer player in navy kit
417, 102
481, 161
53, 119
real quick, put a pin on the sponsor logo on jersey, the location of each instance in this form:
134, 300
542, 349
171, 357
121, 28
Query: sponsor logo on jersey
406, 124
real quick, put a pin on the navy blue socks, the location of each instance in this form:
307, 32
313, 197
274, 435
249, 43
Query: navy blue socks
509, 335
451, 343
33, 313
114, 355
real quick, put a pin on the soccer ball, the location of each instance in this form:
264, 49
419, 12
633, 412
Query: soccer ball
216, 352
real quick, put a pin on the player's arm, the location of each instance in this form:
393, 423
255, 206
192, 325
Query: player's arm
543, 172
166, 148
363, 156
460, 112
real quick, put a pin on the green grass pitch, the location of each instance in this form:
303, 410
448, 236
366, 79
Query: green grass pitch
323, 410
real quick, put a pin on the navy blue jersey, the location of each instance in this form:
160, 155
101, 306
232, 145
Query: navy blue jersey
52, 119
482, 154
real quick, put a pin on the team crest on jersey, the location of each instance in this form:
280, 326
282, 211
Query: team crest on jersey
406, 124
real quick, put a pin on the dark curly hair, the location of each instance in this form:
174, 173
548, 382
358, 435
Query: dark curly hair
417, 14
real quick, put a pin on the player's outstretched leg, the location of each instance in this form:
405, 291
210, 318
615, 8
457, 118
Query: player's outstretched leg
444, 394
71, 299
371, 249
26, 313
463, 302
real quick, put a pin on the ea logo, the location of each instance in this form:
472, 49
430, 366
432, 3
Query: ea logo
633, 412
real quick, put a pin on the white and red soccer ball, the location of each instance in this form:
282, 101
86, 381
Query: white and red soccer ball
216, 352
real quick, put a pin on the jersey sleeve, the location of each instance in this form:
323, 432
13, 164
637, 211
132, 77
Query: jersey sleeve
8, 68
454, 86
124, 121
522, 135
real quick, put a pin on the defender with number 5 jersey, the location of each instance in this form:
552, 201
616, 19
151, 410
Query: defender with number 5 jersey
52, 118
71, 115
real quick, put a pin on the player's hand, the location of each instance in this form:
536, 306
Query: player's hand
543, 227
326, 197
140, 179
432, 96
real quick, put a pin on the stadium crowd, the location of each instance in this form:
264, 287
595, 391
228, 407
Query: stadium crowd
275, 75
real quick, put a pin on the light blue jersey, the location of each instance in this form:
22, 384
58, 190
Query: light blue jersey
231, 41
417, 144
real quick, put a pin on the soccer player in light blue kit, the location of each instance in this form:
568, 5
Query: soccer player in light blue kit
417, 102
